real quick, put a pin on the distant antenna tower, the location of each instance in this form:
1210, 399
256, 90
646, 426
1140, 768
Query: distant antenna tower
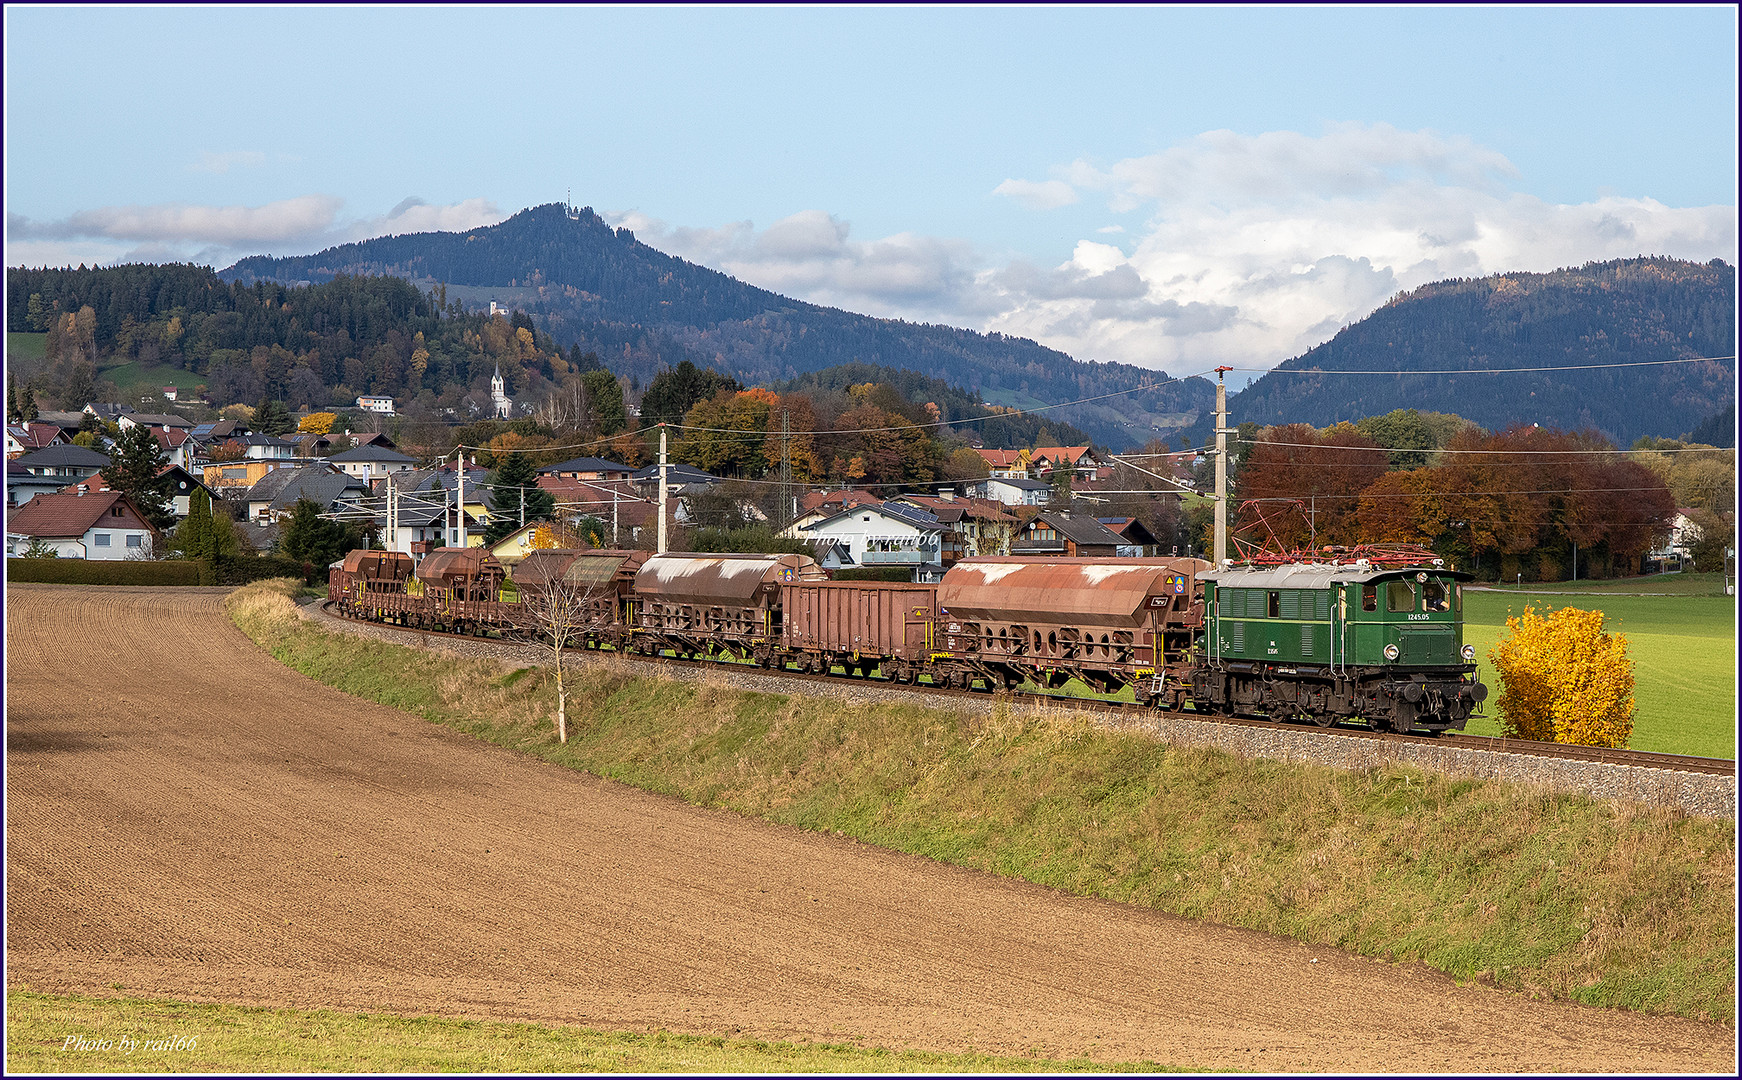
569, 206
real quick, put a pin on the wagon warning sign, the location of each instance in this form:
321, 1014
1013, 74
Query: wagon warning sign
786, 573
1177, 582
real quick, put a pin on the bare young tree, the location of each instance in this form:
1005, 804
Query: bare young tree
560, 613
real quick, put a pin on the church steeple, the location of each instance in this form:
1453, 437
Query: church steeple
499, 395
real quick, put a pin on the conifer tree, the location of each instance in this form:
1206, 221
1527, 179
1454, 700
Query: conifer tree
135, 465
272, 418
516, 498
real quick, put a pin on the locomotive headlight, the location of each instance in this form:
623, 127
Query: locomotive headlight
1390, 652
1469, 654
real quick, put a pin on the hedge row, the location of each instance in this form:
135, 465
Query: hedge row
261, 567
117, 572
166, 572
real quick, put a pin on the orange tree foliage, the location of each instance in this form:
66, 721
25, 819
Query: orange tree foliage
1565, 679
1327, 471
1525, 495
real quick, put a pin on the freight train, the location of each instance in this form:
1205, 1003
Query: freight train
1322, 642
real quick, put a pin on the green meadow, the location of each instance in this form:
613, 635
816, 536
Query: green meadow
25, 347
49, 1033
1682, 642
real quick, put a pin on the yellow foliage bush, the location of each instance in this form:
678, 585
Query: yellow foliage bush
318, 423
1565, 679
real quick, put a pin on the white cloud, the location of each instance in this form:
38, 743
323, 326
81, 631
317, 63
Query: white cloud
1250, 249
219, 235
810, 255
1041, 195
1267, 245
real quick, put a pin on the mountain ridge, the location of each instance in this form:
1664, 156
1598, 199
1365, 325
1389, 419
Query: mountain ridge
585, 283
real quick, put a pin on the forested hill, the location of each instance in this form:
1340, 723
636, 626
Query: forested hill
585, 283
1609, 313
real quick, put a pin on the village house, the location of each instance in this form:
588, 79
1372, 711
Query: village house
274, 496
1006, 464
889, 534
1136, 541
27, 438
627, 515
101, 525
1074, 459
588, 468
371, 463
1012, 491
180, 483
1064, 535
64, 462
971, 526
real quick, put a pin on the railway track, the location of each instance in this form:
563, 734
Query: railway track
1643, 759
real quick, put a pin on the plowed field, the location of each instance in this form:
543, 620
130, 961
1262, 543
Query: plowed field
187, 818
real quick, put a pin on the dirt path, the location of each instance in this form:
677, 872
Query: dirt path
187, 818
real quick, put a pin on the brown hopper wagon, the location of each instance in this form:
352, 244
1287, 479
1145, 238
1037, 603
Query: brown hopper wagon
462, 588
1110, 622
603, 580
728, 605
370, 582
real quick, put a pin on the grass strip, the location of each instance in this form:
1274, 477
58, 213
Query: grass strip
68, 1034
1602, 902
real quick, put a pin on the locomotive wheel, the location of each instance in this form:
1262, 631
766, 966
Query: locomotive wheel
1323, 719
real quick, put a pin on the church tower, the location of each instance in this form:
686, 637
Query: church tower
499, 394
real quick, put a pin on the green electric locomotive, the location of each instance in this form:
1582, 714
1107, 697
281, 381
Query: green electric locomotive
1328, 642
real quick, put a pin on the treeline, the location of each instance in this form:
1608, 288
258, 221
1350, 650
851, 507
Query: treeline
306, 345
859, 433
1522, 502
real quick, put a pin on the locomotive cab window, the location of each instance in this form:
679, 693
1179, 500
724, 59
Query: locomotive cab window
1433, 597
1399, 596
1273, 605
1369, 598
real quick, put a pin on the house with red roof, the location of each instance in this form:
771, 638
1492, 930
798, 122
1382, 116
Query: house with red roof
21, 439
81, 525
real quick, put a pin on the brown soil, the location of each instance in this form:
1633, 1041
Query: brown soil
187, 818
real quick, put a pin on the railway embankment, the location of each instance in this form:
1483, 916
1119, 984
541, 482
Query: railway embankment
1612, 901
1699, 794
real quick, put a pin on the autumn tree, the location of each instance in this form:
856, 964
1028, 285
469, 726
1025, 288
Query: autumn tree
792, 425
725, 434
1565, 679
317, 423
1325, 472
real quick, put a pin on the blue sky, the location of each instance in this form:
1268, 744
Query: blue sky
1172, 187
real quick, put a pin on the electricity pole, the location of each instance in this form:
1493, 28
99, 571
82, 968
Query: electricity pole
1221, 547
662, 490
785, 468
